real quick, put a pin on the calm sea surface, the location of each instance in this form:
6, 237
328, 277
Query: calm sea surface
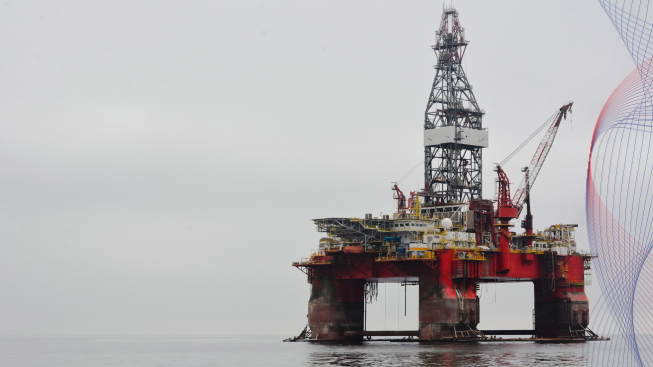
270, 351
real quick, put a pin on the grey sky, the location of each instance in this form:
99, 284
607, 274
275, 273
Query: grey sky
161, 161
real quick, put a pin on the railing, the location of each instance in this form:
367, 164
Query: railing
587, 281
537, 252
314, 261
584, 253
428, 255
444, 245
396, 257
317, 257
469, 255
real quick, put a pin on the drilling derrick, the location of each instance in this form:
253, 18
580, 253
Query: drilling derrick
453, 130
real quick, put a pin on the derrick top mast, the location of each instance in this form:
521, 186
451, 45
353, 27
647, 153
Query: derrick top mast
453, 130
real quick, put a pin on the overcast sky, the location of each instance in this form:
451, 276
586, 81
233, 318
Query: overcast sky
161, 161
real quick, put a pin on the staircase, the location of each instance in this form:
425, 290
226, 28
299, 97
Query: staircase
468, 334
580, 331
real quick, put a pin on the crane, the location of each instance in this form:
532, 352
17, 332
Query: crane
507, 208
535, 166
399, 196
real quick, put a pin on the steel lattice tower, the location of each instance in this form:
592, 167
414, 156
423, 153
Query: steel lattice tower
453, 132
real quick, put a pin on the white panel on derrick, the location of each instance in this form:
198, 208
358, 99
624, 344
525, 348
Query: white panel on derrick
447, 134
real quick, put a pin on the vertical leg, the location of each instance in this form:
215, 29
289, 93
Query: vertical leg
560, 305
555, 317
558, 311
446, 306
335, 306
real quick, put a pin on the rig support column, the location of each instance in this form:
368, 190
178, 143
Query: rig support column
561, 304
335, 306
445, 305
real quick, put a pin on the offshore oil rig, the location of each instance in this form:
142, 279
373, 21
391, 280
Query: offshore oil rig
446, 238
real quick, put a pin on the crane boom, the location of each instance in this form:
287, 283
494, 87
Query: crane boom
399, 196
539, 157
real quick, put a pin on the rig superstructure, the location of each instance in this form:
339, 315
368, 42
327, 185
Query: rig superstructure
448, 239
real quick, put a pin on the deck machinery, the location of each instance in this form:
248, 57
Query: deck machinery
446, 238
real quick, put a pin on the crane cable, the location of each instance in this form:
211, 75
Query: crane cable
411, 171
546, 123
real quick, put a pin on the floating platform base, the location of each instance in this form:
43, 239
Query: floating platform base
498, 340
411, 336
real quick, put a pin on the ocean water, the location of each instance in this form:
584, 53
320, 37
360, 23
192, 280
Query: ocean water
271, 351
